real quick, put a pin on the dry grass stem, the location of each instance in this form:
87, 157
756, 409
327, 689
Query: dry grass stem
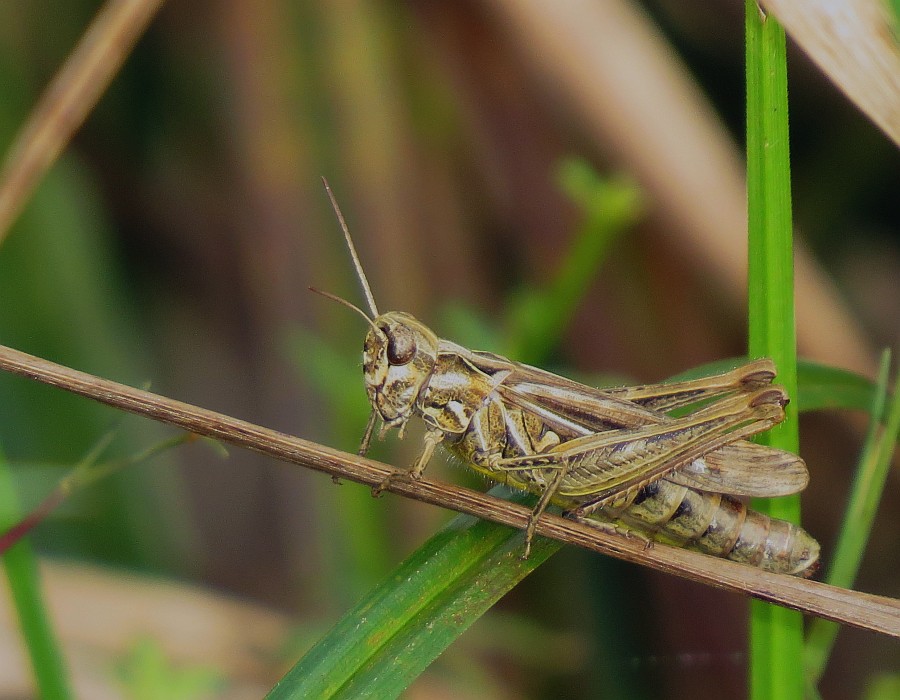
875, 613
68, 99
854, 45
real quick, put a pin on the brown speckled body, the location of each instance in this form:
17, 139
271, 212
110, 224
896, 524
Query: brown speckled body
605, 456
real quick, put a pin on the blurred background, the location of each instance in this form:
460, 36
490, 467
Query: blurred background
472, 146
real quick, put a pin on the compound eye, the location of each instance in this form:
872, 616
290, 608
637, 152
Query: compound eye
401, 347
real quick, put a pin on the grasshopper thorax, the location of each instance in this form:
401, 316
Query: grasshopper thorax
399, 355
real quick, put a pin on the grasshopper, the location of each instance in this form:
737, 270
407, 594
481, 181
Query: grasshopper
612, 458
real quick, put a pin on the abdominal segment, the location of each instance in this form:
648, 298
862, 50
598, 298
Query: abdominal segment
715, 524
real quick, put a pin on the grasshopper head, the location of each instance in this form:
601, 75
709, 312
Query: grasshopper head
398, 357
399, 353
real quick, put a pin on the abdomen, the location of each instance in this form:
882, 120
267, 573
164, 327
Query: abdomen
718, 525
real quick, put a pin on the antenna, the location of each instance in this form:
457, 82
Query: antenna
354, 307
367, 291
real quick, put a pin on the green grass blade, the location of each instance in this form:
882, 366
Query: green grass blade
389, 638
829, 388
776, 641
865, 494
25, 586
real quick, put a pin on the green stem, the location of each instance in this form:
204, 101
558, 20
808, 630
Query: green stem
776, 641
21, 568
865, 495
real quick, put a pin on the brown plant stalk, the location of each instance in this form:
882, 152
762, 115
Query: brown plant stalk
863, 610
68, 100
